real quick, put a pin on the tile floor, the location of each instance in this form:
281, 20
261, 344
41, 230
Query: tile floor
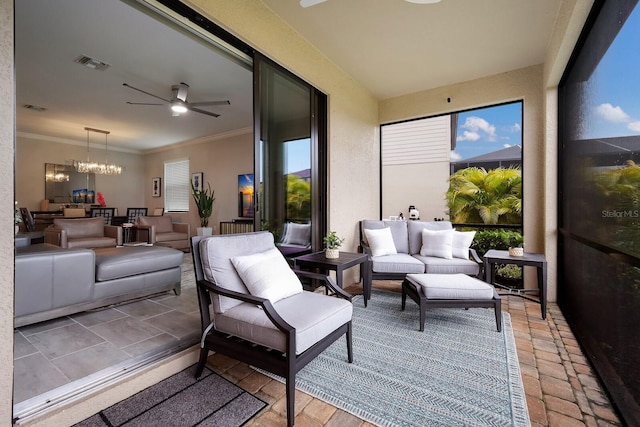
62, 351
561, 388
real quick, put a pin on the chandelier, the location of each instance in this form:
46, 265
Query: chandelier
105, 168
57, 177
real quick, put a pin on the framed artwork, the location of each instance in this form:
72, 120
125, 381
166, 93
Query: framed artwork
196, 180
245, 195
155, 187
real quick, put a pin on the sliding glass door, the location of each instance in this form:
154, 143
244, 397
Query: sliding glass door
288, 152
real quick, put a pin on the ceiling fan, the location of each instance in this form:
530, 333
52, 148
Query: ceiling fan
308, 3
178, 101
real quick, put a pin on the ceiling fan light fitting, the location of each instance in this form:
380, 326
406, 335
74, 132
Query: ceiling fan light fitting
178, 108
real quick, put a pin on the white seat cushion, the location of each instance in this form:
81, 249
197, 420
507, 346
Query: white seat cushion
436, 265
451, 286
250, 322
399, 263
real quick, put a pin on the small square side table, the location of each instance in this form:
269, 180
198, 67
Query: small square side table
494, 256
318, 260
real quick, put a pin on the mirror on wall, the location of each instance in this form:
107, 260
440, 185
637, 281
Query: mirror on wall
63, 184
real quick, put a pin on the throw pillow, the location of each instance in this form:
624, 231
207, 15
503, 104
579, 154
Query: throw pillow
437, 243
381, 241
462, 240
298, 234
267, 275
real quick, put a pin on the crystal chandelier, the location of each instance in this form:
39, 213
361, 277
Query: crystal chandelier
57, 177
105, 168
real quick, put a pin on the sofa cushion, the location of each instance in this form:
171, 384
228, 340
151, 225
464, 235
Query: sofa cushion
251, 322
114, 263
92, 242
380, 241
216, 253
267, 275
81, 227
163, 224
437, 243
435, 265
398, 231
400, 263
451, 286
170, 237
462, 241
415, 232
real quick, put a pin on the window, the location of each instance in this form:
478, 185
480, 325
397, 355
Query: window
176, 186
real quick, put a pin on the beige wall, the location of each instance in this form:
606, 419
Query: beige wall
7, 134
120, 191
220, 159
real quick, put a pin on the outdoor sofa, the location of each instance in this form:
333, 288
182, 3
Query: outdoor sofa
398, 248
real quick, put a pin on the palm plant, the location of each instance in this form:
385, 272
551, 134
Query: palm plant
204, 201
478, 196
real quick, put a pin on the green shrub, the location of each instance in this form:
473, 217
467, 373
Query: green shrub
485, 240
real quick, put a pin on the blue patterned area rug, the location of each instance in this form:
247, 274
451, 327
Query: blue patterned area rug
459, 372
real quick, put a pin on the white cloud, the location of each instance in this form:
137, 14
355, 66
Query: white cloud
454, 156
468, 136
507, 145
611, 113
476, 125
516, 127
634, 126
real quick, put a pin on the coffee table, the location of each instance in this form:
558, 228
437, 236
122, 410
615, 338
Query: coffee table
318, 261
494, 256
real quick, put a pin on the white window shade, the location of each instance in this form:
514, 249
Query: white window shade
176, 186
417, 141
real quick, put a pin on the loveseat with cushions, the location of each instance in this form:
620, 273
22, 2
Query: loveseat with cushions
398, 248
162, 231
296, 239
51, 281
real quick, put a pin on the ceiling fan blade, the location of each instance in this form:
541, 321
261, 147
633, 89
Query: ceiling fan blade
145, 92
142, 103
202, 104
307, 3
197, 110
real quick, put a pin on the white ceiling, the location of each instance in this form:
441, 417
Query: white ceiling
391, 47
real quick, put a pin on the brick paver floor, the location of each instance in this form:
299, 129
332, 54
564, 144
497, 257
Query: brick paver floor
561, 387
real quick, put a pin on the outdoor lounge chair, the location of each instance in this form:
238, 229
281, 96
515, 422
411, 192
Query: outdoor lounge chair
260, 315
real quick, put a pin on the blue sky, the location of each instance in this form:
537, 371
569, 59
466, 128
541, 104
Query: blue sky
488, 129
612, 95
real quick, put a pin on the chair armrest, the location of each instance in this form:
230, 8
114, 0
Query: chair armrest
474, 255
115, 232
55, 236
328, 283
266, 305
364, 248
182, 227
151, 232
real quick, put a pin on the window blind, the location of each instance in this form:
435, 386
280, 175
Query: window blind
176, 186
418, 141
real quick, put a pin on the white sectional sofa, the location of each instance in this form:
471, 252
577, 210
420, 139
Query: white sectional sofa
412, 254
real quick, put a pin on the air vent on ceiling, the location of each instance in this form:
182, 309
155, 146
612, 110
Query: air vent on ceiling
94, 64
34, 107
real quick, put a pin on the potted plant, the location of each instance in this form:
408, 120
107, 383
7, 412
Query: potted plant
517, 247
204, 201
332, 245
509, 275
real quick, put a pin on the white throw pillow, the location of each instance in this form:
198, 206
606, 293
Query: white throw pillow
298, 234
267, 275
437, 243
380, 241
462, 240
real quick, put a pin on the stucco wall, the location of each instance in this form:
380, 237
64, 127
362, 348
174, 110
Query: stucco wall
7, 117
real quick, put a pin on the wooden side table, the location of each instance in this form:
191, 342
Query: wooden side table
346, 260
494, 256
